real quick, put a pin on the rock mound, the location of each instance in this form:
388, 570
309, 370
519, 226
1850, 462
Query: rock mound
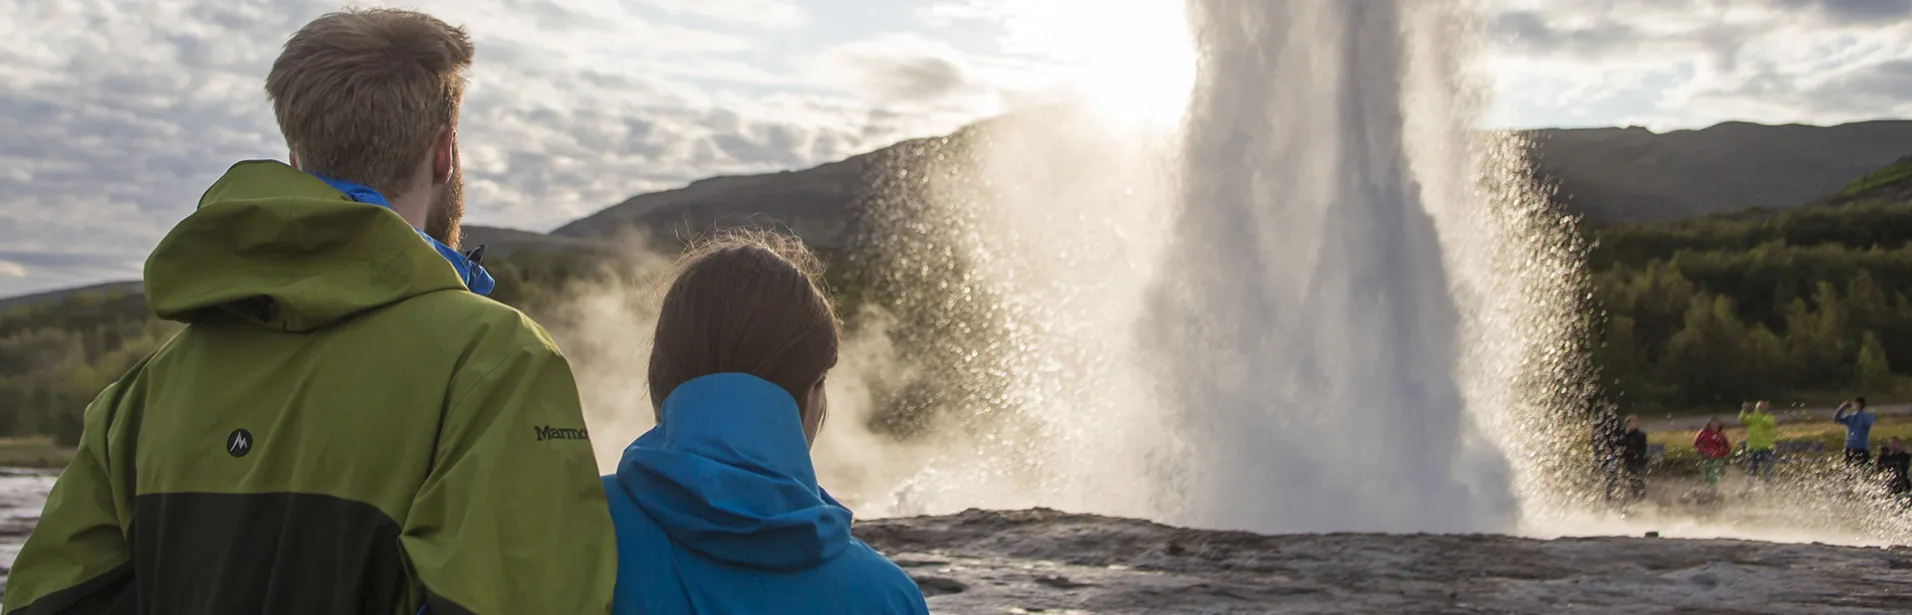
1044, 561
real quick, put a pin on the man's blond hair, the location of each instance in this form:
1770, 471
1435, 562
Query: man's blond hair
361, 94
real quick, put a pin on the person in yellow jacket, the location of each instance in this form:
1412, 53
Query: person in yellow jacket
345, 425
1759, 423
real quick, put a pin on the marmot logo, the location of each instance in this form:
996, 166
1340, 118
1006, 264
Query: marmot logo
239, 443
560, 433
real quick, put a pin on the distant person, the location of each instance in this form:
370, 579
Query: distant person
1713, 448
1633, 457
717, 508
1760, 426
1893, 465
345, 425
1609, 435
1858, 431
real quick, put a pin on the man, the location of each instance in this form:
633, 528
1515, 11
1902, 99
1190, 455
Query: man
1608, 435
1858, 431
343, 426
1760, 424
1633, 459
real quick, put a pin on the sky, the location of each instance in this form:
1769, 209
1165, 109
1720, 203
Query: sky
116, 114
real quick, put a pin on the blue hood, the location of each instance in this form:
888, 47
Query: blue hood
726, 473
717, 510
475, 276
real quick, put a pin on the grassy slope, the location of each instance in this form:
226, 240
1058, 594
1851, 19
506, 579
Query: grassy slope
36, 452
1680, 443
1897, 172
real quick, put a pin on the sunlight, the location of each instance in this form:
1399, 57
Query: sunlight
1131, 59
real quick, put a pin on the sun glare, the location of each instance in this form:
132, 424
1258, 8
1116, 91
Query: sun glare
1132, 59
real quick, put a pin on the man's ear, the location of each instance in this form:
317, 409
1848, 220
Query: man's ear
292, 158
444, 155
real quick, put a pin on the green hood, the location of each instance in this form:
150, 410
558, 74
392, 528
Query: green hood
283, 249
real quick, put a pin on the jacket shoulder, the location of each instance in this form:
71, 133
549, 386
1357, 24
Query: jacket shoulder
885, 587
461, 314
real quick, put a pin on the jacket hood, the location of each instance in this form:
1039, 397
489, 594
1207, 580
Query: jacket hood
285, 250
727, 474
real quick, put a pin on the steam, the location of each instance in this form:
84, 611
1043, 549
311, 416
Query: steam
605, 324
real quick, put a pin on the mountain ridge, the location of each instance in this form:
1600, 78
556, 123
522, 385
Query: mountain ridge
1605, 175
1630, 174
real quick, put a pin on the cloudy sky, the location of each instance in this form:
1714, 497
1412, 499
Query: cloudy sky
115, 114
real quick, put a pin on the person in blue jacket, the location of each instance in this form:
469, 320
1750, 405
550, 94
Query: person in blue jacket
1858, 431
717, 508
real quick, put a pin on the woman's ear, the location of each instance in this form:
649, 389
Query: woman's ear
816, 404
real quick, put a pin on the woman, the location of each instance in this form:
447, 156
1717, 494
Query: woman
717, 509
1713, 448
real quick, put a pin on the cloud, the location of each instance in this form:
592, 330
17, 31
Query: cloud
899, 68
1853, 11
10, 269
117, 115
765, 13
1693, 64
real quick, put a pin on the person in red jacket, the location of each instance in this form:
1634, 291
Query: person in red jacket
1713, 448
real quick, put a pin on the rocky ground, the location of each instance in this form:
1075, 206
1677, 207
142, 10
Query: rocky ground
1042, 561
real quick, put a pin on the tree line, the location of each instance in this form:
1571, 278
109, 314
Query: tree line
55, 357
1802, 306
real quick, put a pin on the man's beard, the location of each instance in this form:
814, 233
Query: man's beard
442, 222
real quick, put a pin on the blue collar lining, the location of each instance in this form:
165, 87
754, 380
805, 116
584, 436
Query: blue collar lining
474, 275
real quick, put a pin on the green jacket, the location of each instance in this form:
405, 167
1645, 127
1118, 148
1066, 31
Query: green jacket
342, 428
1759, 430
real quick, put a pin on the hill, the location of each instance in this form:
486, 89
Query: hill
54, 297
503, 242
819, 204
813, 202
1607, 175
1613, 175
1891, 184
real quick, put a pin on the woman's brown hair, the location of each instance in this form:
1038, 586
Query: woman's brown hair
746, 302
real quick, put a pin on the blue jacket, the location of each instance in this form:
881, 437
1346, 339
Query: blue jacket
717, 510
1858, 427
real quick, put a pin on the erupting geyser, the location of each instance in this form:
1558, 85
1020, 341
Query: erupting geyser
1310, 320
1296, 301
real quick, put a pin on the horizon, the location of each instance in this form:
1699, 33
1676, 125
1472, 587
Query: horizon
122, 113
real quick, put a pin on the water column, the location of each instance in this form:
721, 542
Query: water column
1308, 335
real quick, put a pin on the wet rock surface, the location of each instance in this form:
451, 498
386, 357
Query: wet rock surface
1041, 561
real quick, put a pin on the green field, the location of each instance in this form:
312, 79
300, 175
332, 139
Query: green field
1679, 444
39, 452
